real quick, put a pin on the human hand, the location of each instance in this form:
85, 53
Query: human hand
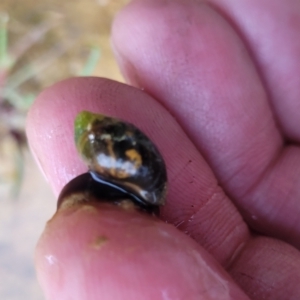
224, 83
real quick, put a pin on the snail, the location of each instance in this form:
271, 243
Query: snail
122, 162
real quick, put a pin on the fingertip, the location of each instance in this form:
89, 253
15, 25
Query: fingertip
50, 133
100, 250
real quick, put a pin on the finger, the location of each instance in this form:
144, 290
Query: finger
99, 90
268, 269
211, 218
274, 43
95, 251
201, 72
214, 222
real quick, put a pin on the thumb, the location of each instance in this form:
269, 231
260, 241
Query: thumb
98, 250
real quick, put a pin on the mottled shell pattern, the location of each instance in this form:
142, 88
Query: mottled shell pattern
120, 155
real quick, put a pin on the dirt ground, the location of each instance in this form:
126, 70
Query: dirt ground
72, 29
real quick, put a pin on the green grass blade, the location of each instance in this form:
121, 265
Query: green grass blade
5, 61
91, 62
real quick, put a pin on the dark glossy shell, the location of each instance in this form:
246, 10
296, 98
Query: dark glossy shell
84, 189
120, 155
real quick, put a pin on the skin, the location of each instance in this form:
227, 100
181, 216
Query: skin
220, 98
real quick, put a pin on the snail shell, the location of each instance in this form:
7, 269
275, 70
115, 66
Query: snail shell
121, 156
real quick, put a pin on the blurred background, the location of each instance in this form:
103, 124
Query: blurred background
41, 42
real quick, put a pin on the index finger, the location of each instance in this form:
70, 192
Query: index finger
97, 250
50, 132
74, 237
